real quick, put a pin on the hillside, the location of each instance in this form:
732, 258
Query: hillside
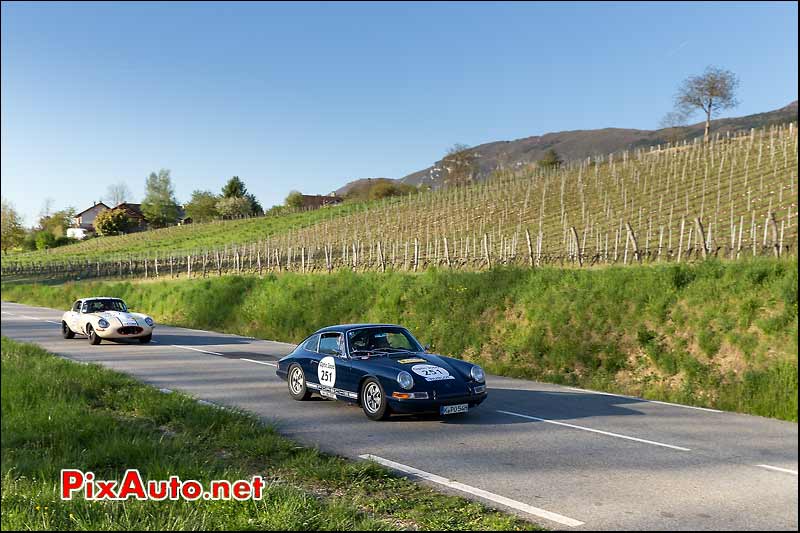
742, 189
579, 144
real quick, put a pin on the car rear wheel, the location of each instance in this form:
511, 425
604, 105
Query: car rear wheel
66, 332
373, 400
297, 384
146, 339
94, 338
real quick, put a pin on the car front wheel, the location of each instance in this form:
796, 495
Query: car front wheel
297, 384
66, 332
373, 400
94, 338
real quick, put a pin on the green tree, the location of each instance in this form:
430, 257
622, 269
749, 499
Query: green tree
294, 199
44, 240
234, 207
12, 231
58, 222
159, 205
202, 206
712, 91
255, 205
550, 159
234, 188
112, 222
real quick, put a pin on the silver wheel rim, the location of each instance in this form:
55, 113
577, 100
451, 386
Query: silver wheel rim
372, 397
296, 381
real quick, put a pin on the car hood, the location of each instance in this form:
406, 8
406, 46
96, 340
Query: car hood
425, 368
114, 317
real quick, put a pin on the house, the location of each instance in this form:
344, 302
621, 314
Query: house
85, 219
315, 201
134, 212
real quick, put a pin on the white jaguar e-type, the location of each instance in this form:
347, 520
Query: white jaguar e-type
105, 318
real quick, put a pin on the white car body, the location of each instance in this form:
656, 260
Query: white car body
105, 318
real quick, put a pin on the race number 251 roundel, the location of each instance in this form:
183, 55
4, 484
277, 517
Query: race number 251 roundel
327, 371
431, 372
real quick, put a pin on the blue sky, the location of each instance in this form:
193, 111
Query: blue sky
309, 96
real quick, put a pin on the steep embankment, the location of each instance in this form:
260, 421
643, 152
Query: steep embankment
712, 334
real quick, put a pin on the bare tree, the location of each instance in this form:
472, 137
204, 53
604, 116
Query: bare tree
712, 91
118, 193
674, 121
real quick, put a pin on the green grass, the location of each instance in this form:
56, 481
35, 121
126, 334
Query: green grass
715, 334
57, 414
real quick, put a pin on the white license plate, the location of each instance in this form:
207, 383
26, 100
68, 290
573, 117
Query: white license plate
454, 409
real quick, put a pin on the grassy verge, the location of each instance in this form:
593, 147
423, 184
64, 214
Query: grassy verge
715, 334
57, 414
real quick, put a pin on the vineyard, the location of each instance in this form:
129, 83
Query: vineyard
732, 197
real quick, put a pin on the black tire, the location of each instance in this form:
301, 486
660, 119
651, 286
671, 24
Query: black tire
94, 338
373, 400
66, 332
296, 379
146, 339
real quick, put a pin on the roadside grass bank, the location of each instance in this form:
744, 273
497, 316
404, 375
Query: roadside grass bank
58, 414
714, 334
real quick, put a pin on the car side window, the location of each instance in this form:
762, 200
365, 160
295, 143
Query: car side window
331, 343
311, 344
77, 307
85, 307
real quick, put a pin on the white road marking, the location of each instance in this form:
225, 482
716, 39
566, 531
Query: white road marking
778, 469
257, 362
165, 391
502, 500
607, 433
645, 400
52, 321
195, 349
7, 313
29, 317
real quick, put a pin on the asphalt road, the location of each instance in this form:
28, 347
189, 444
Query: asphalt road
568, 459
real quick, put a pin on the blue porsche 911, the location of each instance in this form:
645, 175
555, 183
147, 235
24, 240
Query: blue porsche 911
384, 369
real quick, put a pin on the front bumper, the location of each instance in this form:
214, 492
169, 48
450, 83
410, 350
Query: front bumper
432, 406
124, 332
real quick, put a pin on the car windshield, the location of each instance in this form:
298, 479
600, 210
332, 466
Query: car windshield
381, 340
107, 304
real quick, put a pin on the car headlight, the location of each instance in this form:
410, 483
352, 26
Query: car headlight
103, 323
149, 321
477, 373
405, 380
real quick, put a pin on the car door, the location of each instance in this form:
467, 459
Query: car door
331, 368
72, 317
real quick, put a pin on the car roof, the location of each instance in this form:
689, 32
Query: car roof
342, 328
99, 298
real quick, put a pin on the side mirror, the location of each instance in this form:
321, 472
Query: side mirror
428, 347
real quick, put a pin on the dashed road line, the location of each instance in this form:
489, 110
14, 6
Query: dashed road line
779, 469
496, 498
607, 433
195, 349
587, 391
257, 362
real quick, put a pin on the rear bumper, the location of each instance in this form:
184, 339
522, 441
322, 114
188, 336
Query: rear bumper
432, 406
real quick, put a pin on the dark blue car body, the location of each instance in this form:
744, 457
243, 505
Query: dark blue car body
332, 370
